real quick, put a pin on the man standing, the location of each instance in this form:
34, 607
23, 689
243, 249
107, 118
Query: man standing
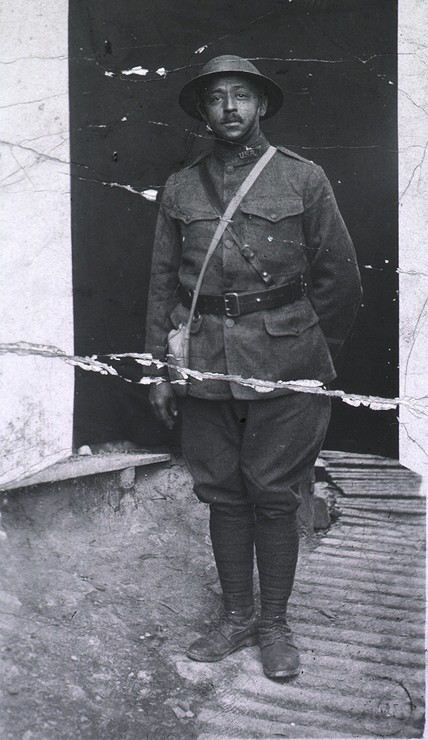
278, 298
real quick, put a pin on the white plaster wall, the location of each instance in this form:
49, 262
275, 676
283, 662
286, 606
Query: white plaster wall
36, 394
413, 262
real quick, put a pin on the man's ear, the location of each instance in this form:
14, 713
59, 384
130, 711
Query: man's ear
200, 107
201, 110
263, 105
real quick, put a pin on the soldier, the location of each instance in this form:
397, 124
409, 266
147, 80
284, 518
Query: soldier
278, 298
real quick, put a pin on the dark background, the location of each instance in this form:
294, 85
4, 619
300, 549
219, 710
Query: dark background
336, 61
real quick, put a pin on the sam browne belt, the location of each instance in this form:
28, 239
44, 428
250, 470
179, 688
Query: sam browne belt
236, 304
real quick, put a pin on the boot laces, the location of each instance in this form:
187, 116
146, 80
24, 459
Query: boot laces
230, 621
274, 629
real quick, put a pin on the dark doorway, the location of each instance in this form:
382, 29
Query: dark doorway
336, 61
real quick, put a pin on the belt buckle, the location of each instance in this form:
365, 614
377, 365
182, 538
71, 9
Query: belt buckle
231, 304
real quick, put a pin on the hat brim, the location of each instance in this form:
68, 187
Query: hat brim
188, 100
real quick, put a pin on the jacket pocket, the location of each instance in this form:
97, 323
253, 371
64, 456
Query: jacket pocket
197, 225
274, 228
273, 210
180, 316
188, 215
291, 320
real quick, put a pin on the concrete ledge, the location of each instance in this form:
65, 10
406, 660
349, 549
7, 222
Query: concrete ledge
78, 466
122, 457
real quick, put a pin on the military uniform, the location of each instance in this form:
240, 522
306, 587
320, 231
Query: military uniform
249, 451
291, 220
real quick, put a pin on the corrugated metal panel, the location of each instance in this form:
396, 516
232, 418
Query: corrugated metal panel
358, 612
366, 475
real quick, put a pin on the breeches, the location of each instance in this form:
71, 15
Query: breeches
253, 452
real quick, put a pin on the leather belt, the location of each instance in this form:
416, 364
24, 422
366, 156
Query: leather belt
235, 304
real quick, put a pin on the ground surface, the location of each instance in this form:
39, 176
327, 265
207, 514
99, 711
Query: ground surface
99, 598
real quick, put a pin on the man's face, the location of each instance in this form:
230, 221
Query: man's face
233, 105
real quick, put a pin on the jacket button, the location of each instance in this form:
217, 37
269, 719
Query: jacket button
229, 323
228, 243
230, 168
274, 215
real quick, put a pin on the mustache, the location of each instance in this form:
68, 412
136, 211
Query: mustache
231, 119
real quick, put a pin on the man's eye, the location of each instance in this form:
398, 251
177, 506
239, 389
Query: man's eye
242, 95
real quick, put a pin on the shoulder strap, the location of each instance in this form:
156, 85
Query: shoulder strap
248, 254
293, 155
224, 221
196, 160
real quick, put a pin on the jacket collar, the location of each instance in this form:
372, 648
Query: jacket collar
231, 153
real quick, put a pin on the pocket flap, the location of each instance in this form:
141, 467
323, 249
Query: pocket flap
291, 320
187, 215
273, 210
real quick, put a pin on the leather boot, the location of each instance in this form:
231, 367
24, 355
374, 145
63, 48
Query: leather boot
280, 656
235, 630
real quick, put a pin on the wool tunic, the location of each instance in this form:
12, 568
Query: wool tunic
291, 220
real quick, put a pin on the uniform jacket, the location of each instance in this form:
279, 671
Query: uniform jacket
291, 220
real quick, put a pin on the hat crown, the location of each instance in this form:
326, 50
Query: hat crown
228, 63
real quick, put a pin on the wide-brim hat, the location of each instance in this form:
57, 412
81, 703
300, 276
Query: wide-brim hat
229, 64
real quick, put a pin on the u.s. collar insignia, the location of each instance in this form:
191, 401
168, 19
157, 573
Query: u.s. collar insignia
248, 153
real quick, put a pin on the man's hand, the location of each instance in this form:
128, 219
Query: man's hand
164, 403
